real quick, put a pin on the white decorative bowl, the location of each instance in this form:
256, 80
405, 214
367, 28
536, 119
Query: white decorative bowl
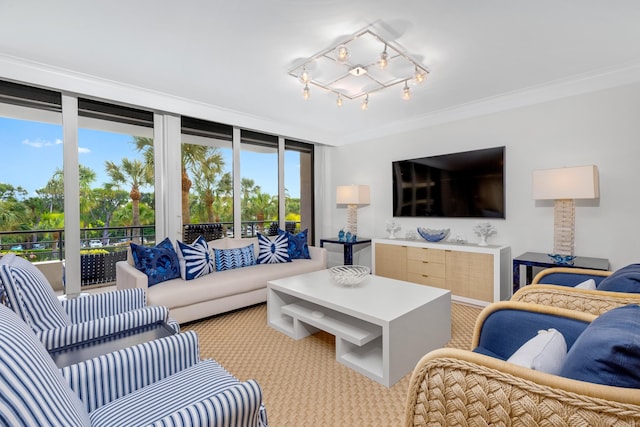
433, 235
349, 275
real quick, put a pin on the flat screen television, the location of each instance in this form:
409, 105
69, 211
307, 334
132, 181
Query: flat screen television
458, 185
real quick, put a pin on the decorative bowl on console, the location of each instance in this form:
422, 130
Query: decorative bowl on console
349, 275
431, 235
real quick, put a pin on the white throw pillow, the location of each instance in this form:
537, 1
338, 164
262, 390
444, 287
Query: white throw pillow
588, 284
545, 352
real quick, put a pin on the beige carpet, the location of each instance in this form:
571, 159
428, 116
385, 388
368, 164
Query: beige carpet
303, 385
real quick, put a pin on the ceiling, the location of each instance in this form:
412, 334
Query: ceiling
233, 57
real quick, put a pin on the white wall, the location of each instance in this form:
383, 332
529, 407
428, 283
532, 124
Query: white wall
601, 128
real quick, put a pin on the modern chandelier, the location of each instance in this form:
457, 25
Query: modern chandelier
363, 64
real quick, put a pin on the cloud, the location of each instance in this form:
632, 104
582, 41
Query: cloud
39, 143
83, 150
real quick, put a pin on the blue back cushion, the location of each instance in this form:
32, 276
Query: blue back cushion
608, 351
627, 279
568, 279
502, 341
30, 295
33, 390
159, 263
298, 248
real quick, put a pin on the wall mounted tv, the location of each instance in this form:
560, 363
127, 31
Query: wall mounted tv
458, 185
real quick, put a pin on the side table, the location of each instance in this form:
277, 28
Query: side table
536, 259
348, 247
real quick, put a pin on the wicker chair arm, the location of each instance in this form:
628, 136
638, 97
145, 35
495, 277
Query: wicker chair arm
458, 387
594, 302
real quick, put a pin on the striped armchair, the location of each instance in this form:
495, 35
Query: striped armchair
158, 383
60, 323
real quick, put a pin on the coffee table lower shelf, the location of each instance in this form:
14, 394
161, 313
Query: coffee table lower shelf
358, 343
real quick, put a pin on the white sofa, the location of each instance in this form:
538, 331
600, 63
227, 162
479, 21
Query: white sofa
220, 291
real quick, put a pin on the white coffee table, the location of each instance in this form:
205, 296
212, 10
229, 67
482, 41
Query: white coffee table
382, 326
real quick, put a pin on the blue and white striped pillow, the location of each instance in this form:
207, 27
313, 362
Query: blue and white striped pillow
228, 259
196, 260
273, 252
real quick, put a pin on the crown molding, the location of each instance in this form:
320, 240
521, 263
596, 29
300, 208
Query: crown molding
575, 85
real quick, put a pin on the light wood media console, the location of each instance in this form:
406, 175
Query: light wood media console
474, 274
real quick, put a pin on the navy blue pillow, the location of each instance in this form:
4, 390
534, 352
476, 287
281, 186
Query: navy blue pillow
159, 263
627, 279
298, 248
608, 351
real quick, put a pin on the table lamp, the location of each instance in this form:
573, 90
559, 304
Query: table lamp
564, 185
352, 196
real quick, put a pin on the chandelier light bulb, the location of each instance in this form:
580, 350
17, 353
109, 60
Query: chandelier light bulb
365, 103
342, 53
420, 76
306, 93
384, 59
305, 76
339, 100
406, 92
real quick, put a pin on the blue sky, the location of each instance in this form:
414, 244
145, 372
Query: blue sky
33, 150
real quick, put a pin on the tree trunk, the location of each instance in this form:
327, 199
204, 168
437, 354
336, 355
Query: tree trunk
186, 187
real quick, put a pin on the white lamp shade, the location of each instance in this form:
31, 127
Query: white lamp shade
353, 195
579, 182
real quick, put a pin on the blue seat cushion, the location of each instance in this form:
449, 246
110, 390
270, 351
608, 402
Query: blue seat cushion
608, 351
626, 279
568, 279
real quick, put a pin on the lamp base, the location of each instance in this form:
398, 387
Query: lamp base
352, 219
564, 214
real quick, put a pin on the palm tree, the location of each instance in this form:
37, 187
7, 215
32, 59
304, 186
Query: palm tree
135, 174
87, 202
192, 155
206, 173
53, 192
264, 206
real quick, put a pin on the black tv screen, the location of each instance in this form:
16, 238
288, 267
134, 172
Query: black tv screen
459, 185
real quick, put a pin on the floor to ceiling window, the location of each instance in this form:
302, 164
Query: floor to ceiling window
298, 182
207, 178
31, 178
259, 183
115, 154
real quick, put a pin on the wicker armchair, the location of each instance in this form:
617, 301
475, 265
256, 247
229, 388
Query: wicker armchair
561, 294
453, 387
